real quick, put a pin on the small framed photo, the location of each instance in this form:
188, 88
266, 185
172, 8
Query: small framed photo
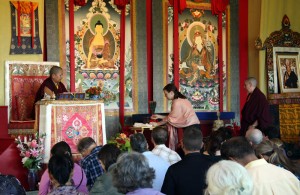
288, 71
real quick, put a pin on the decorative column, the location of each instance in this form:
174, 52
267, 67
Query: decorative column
72, 45
243, 48
149, 51
178, 6
121, 4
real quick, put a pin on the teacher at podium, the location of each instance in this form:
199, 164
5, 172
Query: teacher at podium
182, 114
52, 86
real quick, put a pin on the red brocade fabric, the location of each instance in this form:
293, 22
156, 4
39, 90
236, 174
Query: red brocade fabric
23, 90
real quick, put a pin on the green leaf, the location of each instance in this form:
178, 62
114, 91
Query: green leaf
28, 163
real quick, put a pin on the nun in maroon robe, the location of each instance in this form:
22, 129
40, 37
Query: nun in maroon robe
52, 85
256, 108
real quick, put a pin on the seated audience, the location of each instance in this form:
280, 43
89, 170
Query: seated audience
267, 178
188, 175
278, 142
9, 184
228, 178
78, 178
276, 156
254, 136
60, 169
133, 175
139, 144
107, 156
159, 137
216, 138
89, 150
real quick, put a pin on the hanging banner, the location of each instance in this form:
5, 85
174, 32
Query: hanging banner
25, 28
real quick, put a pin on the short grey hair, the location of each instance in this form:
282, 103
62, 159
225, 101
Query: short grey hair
228, 177
252, 80
254, 136
85, 143
159, 135
138, 143
131, 172
55, 70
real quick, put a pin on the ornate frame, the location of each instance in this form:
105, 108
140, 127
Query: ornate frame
282, 41
280, 54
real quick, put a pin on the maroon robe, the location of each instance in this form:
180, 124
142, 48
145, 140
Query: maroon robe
256, 108
51, 85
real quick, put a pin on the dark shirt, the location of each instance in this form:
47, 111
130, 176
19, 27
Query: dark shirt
188, 175
291, 80
51, 85
256, 108
92, 167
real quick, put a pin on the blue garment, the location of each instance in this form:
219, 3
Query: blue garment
92, 167
160, 167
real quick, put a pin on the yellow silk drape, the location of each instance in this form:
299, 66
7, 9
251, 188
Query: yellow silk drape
272, 12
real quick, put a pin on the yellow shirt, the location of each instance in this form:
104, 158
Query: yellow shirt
269, 179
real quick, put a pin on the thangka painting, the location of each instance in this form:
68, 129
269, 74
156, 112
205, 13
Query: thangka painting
198, 57
97, 51
25, 28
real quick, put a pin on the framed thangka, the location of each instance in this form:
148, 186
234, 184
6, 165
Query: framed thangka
198, 56
97, 51
24, 28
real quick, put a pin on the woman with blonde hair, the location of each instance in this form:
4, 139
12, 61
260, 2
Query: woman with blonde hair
276, 155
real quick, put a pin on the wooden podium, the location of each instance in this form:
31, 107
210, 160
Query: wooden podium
69, 121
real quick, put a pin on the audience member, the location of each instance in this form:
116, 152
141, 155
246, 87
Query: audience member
159, 137
90, 164
276, 156
188, 175
278, 142
60, 170
133, 175
267, 178
254, 136
107, 156
139, 144
79, 178
9, 184
216, 138
228, 178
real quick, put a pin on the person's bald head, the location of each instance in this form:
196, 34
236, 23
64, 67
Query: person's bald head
254, 136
